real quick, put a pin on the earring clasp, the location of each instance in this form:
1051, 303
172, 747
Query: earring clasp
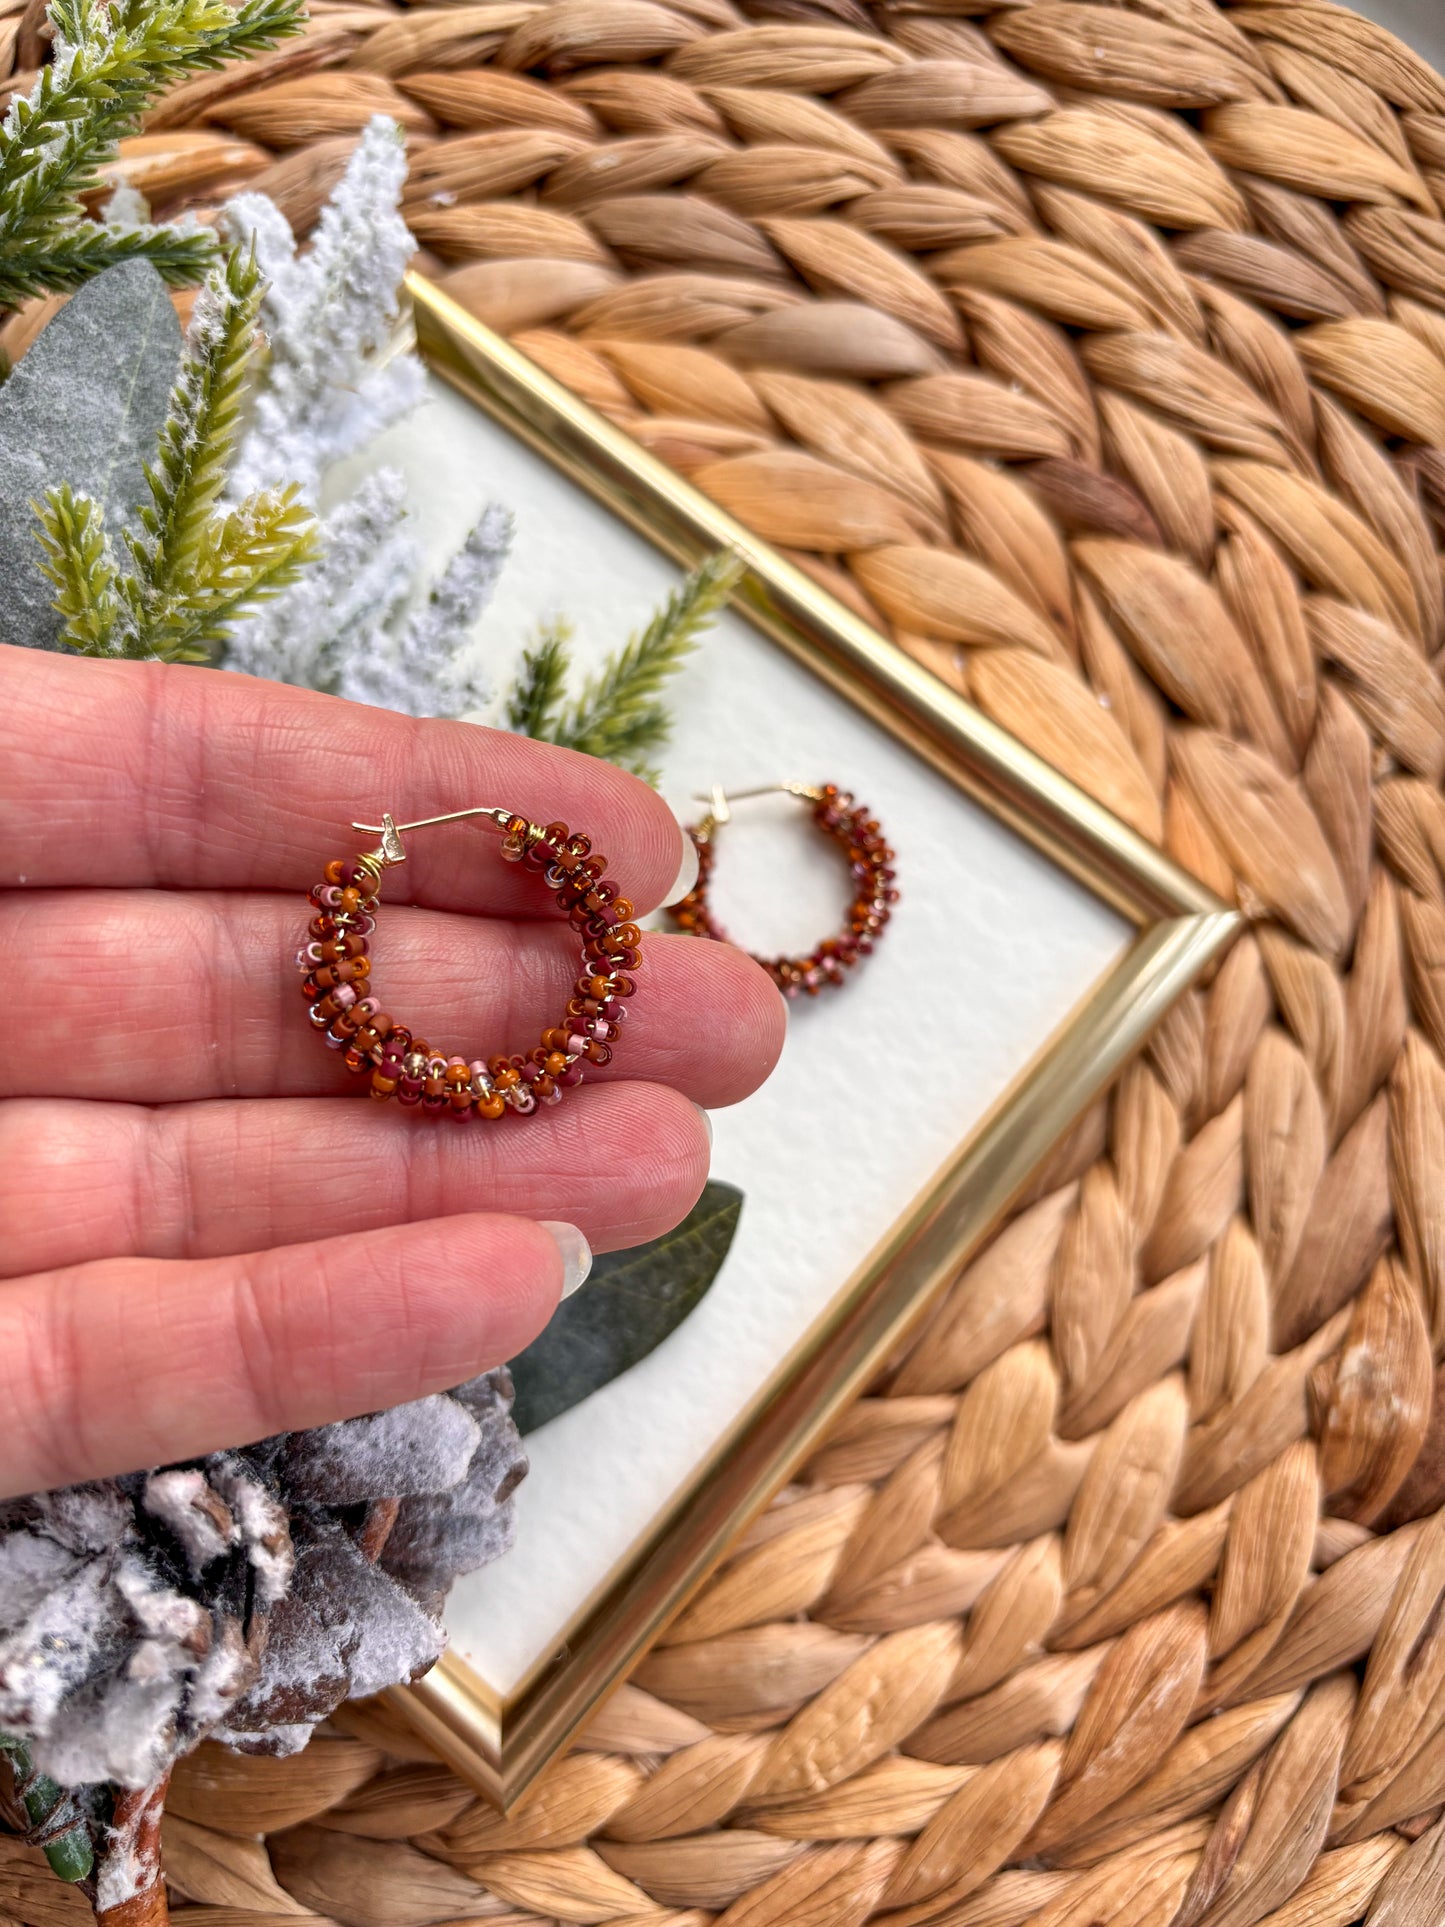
719, 800
391, 851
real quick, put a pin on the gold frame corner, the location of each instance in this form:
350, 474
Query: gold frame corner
501, 1743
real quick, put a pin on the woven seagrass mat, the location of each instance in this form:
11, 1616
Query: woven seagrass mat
1097, 353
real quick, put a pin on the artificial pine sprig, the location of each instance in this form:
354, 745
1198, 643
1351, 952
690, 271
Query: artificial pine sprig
200, 436
110, 64
194, 566
535, 702
619, 715
81, 563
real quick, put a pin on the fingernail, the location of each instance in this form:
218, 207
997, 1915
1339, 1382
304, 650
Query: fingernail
706, 1123
576, 1255
687, 873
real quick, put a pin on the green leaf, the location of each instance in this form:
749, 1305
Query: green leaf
633, 1300
84, 407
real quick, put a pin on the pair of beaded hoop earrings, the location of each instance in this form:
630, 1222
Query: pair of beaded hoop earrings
335, 962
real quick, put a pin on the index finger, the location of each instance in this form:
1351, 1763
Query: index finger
156, 775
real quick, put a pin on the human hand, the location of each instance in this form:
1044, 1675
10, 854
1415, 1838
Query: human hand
208, 1235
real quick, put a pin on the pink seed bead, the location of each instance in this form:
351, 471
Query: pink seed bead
344, 995
329, 895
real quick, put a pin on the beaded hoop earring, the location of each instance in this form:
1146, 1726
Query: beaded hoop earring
870, 860
336, 971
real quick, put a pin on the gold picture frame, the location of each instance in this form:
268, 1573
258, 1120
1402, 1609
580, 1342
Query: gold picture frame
501, 1743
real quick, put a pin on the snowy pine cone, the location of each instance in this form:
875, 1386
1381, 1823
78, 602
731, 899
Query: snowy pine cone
244, 1596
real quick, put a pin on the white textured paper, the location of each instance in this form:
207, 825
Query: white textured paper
990, 949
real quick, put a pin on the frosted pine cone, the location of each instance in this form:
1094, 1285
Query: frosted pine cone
244, 1596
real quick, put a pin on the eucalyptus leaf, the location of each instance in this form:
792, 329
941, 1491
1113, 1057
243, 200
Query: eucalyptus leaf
85, 405
632, 1301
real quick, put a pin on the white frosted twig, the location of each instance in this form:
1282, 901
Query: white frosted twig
328, 314
341, 606
427, 670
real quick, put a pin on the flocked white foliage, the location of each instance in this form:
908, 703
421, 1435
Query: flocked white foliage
329, 314
344, 605
359, 623
433, 668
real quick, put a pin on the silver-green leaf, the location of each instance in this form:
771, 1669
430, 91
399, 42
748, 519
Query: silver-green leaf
86, 406
632, 1301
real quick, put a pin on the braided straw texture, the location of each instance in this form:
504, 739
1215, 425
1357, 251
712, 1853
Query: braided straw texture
1097, 353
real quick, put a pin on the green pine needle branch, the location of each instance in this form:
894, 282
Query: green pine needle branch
619, 714
199, 438
110, 64
193, 567
534, 706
